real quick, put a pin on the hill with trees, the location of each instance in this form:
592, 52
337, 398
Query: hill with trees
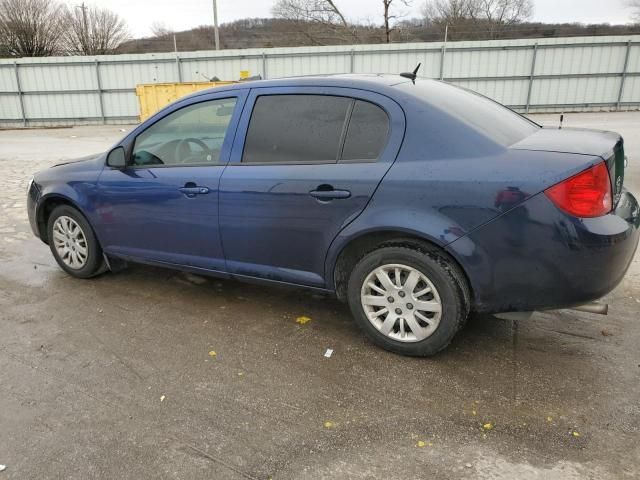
50, 27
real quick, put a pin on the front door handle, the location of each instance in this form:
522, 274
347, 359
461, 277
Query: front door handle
193, 190
329, 194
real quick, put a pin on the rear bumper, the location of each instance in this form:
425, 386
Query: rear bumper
536, 257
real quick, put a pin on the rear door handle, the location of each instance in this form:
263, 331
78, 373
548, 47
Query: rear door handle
193, 191
330, 194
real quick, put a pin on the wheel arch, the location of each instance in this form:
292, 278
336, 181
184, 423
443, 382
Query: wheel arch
355, 248
46, 205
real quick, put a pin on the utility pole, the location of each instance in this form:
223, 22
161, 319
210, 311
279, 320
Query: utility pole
443, 51
387, 29
215, 24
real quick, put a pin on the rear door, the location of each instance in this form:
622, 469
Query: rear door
304, 164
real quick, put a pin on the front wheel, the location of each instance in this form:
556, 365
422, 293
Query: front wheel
408, 301
73, 243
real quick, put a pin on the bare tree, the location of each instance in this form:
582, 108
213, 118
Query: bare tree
94, 31
316, 19
635, 5
32, 28
160, 29
314, 11
388, 17
449, 12
500, 13
478, 17
453, 16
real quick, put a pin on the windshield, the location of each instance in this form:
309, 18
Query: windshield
489, 118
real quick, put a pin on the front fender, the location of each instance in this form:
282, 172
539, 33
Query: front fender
81, 192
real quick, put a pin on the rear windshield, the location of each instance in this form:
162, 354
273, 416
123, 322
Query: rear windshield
495, 121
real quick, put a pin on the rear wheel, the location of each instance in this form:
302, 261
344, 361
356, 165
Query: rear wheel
408, 301
73, 243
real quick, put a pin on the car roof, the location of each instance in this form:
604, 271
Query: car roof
373, 82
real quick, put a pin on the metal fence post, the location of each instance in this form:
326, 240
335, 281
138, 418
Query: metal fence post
97, 64
20, 94
179, 68
624, 75
531, 76
352, 61
264, 65
442, 55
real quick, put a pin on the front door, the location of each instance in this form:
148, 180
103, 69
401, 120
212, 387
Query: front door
305, 163
164, 206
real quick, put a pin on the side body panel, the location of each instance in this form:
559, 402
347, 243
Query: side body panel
450, 185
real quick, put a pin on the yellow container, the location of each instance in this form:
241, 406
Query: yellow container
154, 96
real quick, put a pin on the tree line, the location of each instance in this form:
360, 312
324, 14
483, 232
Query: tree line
49, 27
317, 18
321, 21
38, 28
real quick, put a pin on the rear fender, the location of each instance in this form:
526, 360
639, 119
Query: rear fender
435, 229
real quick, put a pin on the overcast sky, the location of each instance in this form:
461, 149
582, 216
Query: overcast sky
185, 14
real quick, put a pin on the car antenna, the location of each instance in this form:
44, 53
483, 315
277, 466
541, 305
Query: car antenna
411, 75
561, 120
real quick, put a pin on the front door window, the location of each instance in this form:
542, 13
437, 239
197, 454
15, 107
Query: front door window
190, 136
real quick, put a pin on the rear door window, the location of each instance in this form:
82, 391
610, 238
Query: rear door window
296, 129
367, 132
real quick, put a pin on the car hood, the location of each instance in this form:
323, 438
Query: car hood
581, 141
87, 168
86, 158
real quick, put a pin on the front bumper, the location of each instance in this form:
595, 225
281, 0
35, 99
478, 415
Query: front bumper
536, 257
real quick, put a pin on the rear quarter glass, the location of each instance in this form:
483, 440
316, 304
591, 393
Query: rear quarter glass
488, 117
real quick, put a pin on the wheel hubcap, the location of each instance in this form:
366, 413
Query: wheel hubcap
70, 242
401, 302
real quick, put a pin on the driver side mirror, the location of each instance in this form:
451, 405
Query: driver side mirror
117, 158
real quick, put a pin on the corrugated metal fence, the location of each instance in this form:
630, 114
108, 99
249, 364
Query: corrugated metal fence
540, 75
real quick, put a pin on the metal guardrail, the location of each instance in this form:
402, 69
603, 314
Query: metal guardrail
264, 57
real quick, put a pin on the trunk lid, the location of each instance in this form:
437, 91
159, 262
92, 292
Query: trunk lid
607, 145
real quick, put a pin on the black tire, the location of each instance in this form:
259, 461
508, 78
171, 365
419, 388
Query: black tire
94, 263
441, 271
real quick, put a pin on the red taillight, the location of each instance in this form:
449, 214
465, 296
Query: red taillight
587, 194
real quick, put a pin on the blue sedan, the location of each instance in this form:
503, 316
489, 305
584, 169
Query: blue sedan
413, 200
